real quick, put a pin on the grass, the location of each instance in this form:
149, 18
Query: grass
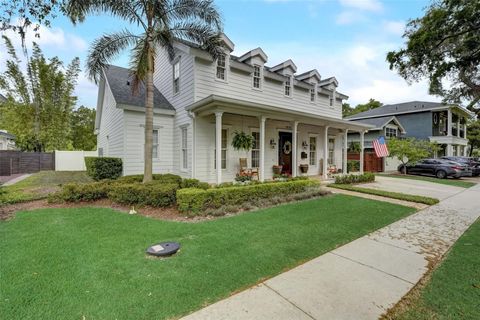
449, 182
90, 262
388, 194
39, 185
453, 291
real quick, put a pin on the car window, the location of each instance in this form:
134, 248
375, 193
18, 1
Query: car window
429, 161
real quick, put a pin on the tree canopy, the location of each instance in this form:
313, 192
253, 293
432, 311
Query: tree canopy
473, 135
347, 110
443, 46
82, 129
411, 149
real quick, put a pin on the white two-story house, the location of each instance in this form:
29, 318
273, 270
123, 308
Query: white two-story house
295, 118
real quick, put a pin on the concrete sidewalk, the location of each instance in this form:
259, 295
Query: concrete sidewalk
362, 279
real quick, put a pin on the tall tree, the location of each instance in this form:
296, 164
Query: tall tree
473, 135
162, 22
83, 125
410, 150
40, 99
346, 109
444, 47
371, 104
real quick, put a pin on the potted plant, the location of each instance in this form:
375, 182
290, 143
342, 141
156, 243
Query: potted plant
242, 141
304, 168
277, 169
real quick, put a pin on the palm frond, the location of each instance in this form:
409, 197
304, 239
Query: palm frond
139, 62
10, 49
164, 38
186, 10
203, 35
106, 48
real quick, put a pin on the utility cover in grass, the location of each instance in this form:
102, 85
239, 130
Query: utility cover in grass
163, 249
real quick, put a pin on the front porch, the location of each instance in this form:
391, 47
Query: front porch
281, 137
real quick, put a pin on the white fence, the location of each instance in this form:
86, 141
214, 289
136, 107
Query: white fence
72, 160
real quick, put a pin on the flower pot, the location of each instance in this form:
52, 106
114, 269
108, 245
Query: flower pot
277, 169
304, 168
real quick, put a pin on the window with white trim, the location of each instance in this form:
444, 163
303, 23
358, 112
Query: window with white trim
288, 86
184, 149
155, 144
331, 150
313, 94
223, 152
256, 77
391, 132
313, 151
331, 101
176, 77
255, 152
221, 67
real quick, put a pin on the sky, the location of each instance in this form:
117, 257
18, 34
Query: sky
348, 39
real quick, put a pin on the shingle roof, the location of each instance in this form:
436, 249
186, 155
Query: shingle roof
119, 79
378, 123
8, 135
412, 106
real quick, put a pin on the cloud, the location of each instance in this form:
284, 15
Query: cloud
350, 17
394, 27
365, 5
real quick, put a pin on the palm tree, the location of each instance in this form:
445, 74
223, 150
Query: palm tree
162, 22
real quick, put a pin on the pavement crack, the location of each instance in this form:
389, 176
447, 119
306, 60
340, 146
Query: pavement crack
293, 304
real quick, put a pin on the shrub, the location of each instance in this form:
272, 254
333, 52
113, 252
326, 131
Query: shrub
165, 178
153, 194
75, 192
194, 200
100, 168
355, 178
194, 183
353, 165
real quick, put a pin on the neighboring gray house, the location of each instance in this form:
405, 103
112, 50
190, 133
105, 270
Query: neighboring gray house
200, 103
443, 124
7, 140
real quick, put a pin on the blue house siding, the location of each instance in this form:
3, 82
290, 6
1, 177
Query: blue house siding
418, 125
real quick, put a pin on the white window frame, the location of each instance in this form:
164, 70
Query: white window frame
155, 133
256, 76
219, 67
312, 161
388, 135
331, 160
331, 103
184, 147
287, 86
224, 151
313, 93
255, 148
176, 77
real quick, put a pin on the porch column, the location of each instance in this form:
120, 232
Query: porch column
362, 147
325, 153
262, 149
449, 150
192, 116
218, 145
345, 149
458, 127
294, 148
449, 122
465, 131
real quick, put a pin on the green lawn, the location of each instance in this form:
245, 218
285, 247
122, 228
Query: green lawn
90, 262
450, 182
454, 289
39, 185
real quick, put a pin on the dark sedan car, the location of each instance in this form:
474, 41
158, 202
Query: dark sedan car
470, 162
439, 168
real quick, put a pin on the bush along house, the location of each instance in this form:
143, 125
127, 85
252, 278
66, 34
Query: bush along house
443, 124
201, 104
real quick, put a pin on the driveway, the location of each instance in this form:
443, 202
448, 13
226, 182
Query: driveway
415, 187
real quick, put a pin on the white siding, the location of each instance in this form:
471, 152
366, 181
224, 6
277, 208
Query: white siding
110, 136
239, 86
135, 139
163, 80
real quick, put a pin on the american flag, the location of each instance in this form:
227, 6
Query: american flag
380, 147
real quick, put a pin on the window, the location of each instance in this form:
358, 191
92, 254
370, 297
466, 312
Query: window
221, 67
184, 149
288, 84
256, 150
155, 144
331, 101
313, 151
331, 150
256, 77
391, 132
176, 77
100, 152
224, 151
313, 94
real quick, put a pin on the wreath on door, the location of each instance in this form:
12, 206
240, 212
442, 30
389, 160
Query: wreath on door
287, 147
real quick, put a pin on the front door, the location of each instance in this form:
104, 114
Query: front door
285, 152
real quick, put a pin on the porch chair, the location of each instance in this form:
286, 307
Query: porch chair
245, 170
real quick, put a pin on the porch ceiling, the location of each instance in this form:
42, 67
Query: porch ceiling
214, 103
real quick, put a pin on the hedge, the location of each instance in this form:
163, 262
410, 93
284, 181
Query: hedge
100, 168
193, 200
165, 178
355, 178
75, 192
153, 194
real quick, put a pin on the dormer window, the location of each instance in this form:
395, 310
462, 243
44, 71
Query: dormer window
331, 101
221, 67
176, 77
256, 77
313, 94
288, 86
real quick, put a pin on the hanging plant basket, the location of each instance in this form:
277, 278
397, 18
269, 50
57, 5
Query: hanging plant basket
242, 141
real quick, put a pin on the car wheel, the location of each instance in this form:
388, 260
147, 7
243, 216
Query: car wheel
403, 170
441, 174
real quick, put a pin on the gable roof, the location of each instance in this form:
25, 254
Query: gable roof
399, 108
252, 53
309, 74
381, 122
284, 65
119, 79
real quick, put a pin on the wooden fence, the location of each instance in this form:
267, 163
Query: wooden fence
14, 162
